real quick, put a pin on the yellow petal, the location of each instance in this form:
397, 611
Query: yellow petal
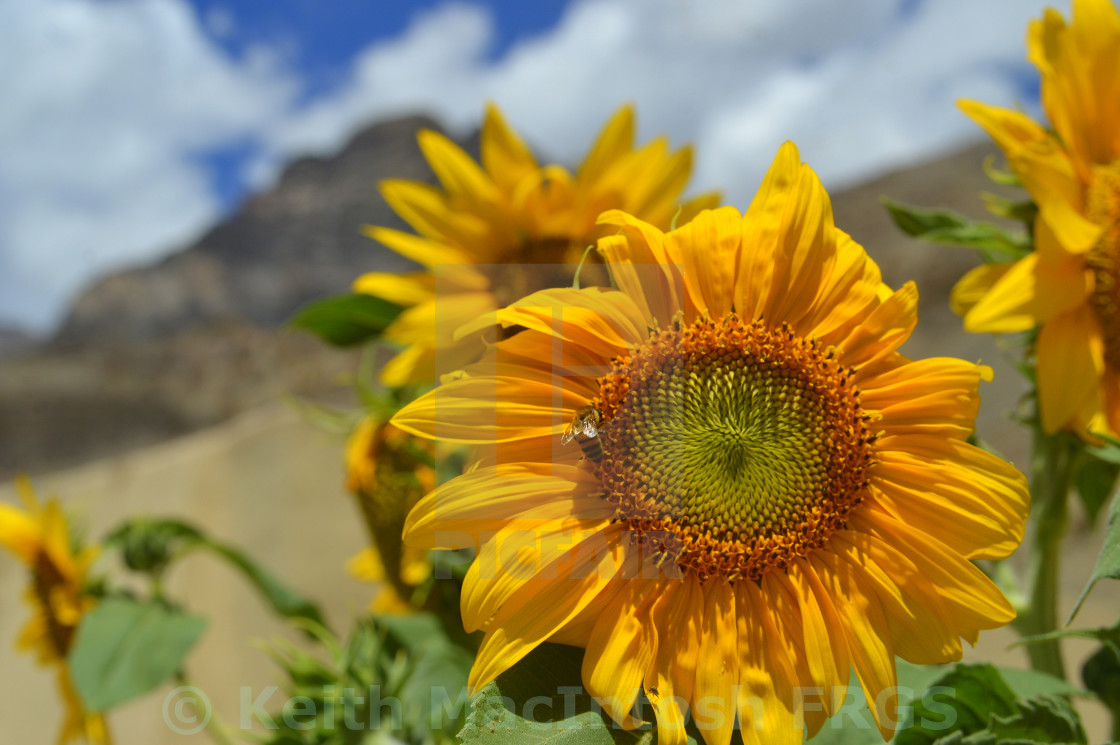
980, 518
484, 500
522, 551
826, 645
19, 533
457, 171
707, 250
425, 208
1070, 362
848, 292
865, 625
656, 276
471, 410
884, 330
504, 154
619, 651
615, 140
402, 289
541, 608
718, 672
975, 285
766, 707
919, 632
669, 615
427, 253
603, 322
971, 600
366, 565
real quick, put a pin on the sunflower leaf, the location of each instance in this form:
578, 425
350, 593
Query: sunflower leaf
1096, 479
1023, 211
540, 701
1003, 178
1044, 719
943, 226
125, 648
962, 701
346, 320
1108, 562
1101, 673
151, 544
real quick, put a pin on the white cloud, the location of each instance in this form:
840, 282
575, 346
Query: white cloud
97, 136
99, 133
861, 86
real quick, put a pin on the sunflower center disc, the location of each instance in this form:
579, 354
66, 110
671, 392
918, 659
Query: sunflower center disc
1104, 259
732, 447
533, 265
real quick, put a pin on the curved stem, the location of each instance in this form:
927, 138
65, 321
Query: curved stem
1052, 469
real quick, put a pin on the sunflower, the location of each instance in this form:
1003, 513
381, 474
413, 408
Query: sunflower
39, 537
722, 479
388, 470
501, 229
1070, 285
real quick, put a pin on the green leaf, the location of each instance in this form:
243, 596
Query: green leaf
1101, 673
324, 417
1003, 178
151, 545
346, 320
284, 600
1044, 719
540, 701
962, 700
1108, 563
1029, 683
1096, 480
1041, 719
942, 226
855, 725
125, 648
1108, 450
1023, 211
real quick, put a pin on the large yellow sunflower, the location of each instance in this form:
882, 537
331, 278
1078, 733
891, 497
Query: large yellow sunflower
39, 537
501, 229
1070, 285
722, 479
387, 471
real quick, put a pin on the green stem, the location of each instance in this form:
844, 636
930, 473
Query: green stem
1052, 470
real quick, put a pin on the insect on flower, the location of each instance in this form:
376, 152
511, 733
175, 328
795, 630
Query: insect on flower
584, 429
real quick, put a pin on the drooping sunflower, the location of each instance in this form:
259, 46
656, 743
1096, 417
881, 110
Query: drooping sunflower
722, 479
39, 537
498, 230
387, 471
1070, 284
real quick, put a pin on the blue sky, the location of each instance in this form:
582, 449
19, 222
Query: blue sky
130, 126
322, 39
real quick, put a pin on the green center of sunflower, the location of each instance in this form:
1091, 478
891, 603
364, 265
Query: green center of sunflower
732, 447
1103, 208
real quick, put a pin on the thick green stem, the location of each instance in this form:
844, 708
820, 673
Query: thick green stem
1052, 470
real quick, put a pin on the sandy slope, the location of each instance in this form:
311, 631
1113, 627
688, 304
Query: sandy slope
265, 481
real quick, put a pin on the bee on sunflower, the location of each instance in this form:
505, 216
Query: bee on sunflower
39, 537
778, 496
